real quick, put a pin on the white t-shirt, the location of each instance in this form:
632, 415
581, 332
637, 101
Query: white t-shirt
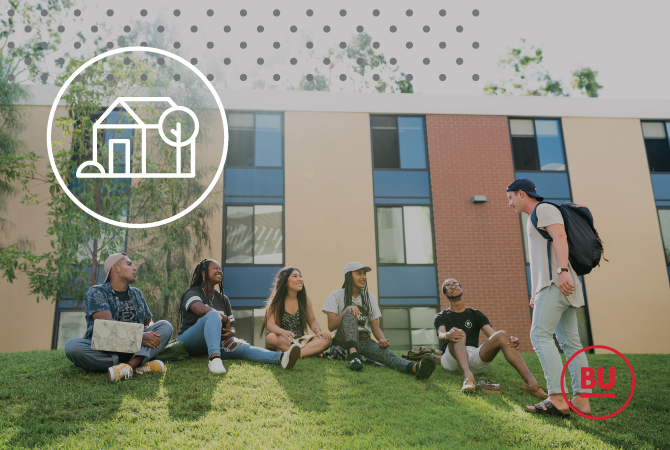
537, 252
335, 304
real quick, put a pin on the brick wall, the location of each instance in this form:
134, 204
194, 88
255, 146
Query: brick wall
478, 244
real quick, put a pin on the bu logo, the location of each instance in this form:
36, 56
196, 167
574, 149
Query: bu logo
589, 382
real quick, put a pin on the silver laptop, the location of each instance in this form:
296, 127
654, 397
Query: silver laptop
119, 337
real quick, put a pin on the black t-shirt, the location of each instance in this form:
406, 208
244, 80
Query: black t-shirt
127, 311
471, 321
217, 301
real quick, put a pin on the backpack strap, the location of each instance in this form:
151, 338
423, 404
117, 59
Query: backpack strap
544, 234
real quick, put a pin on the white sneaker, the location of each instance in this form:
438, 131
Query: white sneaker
216, 366
290, 356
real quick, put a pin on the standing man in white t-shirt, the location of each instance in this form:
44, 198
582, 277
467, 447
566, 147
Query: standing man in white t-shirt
555, 297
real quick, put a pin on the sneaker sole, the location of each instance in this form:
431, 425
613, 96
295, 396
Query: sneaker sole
161, 364
427, 369
112, 375
293, 356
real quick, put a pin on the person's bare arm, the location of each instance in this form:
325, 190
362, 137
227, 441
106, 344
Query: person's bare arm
272, 327
488, 330
335, 319
103, 315
453, 335
379, 334
560, 242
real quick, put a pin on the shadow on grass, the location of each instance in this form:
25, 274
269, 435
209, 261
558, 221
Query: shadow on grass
307, 392
192, 400
43, 397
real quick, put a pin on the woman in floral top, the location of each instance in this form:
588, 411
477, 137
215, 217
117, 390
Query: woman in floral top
288, 311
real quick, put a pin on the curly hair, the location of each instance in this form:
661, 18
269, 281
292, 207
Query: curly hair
198, 281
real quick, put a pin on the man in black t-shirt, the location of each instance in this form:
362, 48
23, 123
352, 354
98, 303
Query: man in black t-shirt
458, 330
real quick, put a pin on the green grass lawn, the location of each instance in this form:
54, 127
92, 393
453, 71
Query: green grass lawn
45, 402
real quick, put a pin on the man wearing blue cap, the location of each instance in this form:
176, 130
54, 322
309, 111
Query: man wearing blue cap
555, 294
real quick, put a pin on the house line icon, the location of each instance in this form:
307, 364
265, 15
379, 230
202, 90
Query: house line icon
140, 125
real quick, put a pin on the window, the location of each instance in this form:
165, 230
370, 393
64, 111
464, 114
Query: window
656, 143
408, 327
255, 140
664, 220
537, 144
404, 235
398, 142
71, 324
254, 234
248, 323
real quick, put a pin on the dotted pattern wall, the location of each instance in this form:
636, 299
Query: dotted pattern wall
478, 244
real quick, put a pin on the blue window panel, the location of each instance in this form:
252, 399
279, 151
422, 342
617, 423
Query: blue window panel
402, 201
549, 185
247, 303
268, 140
255, 200
249, 282
255, 182
407, 281
412, 143
528, 280
412, 301
661, 184
663, 203
549, 145
669, 272
400, 183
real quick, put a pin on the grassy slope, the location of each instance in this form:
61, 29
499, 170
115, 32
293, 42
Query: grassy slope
45, 402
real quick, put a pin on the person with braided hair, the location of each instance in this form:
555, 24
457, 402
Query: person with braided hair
288, 311
207, 325
354, 313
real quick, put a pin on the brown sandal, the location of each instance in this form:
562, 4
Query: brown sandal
535, 389
550, 410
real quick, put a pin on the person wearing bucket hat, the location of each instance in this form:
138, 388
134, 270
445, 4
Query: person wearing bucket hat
555, 295
354, 313
116, 300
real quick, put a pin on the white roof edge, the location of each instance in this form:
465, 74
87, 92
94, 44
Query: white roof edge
261, 100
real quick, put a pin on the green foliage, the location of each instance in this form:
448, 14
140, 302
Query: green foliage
530, 77
46, 402
356, 61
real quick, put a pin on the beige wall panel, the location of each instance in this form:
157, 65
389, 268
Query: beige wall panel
629, 297
329, 200
30, 324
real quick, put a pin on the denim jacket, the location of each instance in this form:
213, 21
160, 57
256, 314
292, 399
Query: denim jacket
102, 298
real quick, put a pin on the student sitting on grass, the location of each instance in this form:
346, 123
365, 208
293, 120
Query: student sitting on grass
115, 300
289, 307
460, 345
354, 312
208, 326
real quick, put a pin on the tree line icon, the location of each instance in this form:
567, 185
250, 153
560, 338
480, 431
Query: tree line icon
178, 142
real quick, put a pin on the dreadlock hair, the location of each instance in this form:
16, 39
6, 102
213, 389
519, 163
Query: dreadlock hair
275, 304
348, 294
198, 281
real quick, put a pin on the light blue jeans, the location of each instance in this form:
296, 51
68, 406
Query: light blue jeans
554, 314
204, 338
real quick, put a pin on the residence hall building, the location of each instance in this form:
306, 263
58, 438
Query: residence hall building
414, 186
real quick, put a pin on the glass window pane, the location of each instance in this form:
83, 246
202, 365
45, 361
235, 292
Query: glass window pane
239, 234
425, 336
390, 235
658, 154
395, 318
521, 127
240, 140
244, 324
418, 235
664, 219
422, 317
398, 339
385, 142
412, 143
268, 140
653, 130
259, 341
524, 223
524, 150
269, 235
71, 324
549, 144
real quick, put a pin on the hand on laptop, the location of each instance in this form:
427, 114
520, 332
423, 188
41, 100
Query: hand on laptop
151, 339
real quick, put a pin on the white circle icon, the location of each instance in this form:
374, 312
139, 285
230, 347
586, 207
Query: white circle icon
101, 173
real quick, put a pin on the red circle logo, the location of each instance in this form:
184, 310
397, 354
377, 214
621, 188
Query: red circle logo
632, 388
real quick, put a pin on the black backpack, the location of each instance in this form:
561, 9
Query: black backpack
584, 244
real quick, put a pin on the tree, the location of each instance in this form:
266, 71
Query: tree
79, 242
530, 77
355, 60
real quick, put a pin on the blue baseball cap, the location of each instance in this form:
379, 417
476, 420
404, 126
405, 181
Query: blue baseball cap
524, 184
